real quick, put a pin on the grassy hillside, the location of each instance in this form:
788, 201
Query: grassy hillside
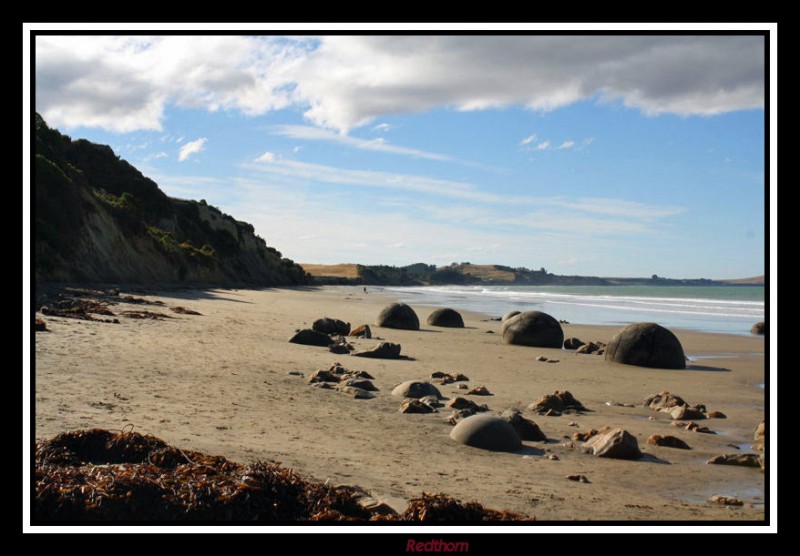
98, 219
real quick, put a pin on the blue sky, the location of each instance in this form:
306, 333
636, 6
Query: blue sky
610, 156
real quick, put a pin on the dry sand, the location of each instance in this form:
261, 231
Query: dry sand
219, 383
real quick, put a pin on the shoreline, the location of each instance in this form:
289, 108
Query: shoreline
219, 383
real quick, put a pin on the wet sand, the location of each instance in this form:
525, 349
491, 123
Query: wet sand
219, 383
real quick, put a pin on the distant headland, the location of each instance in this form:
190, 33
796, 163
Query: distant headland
466, 273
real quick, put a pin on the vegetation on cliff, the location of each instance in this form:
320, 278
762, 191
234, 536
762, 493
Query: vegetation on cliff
98, 219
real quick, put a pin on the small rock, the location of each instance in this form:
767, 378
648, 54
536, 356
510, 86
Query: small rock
362, 331
526, 429
490, 331
572, 343
39, 325
584, 436
668, 442
552, 360
613, 443
663, 401
384, 350
479, 391
725, 500
463, 403
456, 416
578, 478
745, 460
542, 358
412, 405
295, 373
183, 311
572, 424
340, 348
310, 337
686, 412
716, 415
552, 457
374, 506
416, 389
588, 349
362, 383
759, 328
463, 387
759, 436
560, 402
692, 426
357, 393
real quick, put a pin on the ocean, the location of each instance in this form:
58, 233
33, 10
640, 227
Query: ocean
718, 309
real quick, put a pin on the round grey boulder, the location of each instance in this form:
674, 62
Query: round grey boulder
446, 317
488, 432
416, 389
398, 315
646, 344
533, 328
509, 315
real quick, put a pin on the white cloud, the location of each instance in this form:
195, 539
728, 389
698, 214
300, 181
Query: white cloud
190, 148
464, 191
383, 128
567, 145
543, 146
297, 149
266, 157
529, 139
342, 82
310, 133
154, 156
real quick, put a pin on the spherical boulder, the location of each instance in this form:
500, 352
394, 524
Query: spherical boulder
446, 317
646, 344
533, 328
416, 389
509, 315
398, 315
759, 328
488, 432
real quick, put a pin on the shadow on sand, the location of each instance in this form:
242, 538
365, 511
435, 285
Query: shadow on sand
706, 368
530, 451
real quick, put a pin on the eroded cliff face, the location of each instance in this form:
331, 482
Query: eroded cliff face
98, 219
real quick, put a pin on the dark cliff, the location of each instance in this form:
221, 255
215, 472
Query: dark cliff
98, 219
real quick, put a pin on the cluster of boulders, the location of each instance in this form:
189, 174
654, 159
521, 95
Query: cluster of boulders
678, 408
553, 405
357, 384
640, 344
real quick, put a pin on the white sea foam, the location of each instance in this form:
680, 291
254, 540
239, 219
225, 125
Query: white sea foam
711, 309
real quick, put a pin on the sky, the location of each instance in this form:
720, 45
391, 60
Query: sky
620, 155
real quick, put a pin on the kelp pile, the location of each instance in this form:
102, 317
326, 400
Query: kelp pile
99, 475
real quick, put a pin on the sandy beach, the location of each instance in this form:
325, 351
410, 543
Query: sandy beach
219, 383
